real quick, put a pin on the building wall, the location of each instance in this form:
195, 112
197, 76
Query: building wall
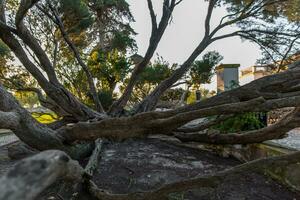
227, 78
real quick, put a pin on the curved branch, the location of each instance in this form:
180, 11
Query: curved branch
275, 131
158, 123
31, 41
46, 102
85, 68
25, 5
211, 6
156, 35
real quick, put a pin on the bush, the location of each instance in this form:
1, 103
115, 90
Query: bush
242, 122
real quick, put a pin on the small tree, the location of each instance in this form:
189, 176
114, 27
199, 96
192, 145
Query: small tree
202, 70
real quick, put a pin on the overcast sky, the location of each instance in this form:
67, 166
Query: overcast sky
185, 32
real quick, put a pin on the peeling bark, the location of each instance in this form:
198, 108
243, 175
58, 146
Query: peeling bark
95, 157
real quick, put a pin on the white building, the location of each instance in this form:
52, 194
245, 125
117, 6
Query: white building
252, 73
227, 76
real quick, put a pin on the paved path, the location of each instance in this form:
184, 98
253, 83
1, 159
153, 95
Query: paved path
292, 141
7, 137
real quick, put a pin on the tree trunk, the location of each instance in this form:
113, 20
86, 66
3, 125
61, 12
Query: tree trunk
31, 176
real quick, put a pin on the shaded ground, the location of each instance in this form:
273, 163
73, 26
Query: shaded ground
5, 162
142, 165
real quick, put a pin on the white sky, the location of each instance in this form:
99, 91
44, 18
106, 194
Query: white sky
186, 31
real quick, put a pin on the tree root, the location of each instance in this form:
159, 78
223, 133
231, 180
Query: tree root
95, 157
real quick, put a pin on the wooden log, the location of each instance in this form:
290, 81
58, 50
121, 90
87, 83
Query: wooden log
31, 176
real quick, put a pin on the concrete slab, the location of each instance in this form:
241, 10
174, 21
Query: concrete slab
292, 141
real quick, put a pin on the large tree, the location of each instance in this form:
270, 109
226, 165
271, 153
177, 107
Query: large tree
261, 21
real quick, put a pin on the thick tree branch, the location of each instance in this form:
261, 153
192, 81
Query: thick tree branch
268, 93
25, 5
151, 100
275, 131
31, 176
210, 9
8, 120
156, 35
158, 123
203, 125
31, 41
153, 16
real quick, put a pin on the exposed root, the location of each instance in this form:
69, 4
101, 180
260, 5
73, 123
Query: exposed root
95, 157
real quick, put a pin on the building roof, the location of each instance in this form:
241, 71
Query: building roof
222, 66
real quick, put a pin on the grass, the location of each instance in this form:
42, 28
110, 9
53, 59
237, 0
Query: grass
45, 118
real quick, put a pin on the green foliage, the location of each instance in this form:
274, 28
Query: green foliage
204, 95
4, 50
240, 122
288, 9
122, 40
106, 98
155, 73
202, 70
112, 22
172, 94
27, 99
152, 75
77, 16
45, 118
109, 68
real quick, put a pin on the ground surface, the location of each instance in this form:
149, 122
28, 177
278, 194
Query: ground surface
142, 165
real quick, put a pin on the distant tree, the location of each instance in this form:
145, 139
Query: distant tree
152, 75
202, 70
277, 52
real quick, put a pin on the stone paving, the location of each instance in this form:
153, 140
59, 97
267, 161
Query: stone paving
7, 137
292, 141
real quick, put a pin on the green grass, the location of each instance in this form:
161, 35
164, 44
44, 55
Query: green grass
44, 118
